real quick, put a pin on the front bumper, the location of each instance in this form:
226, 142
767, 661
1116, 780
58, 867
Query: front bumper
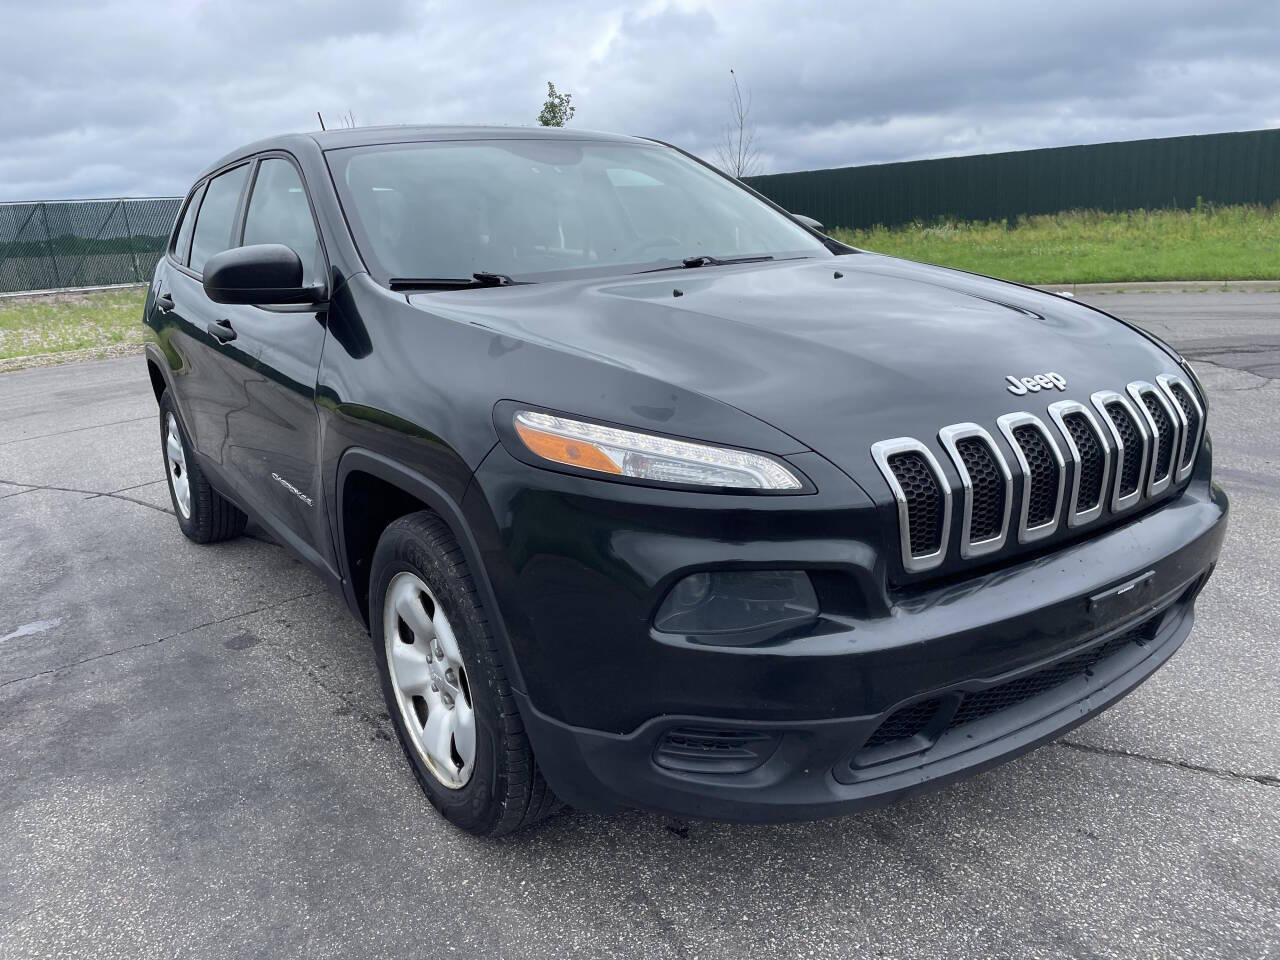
578, 571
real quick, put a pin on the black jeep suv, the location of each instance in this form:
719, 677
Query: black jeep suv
649, 493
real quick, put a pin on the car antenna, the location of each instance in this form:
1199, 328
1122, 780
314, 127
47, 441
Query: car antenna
321, 119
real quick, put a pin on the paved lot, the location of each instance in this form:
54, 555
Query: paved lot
195, 761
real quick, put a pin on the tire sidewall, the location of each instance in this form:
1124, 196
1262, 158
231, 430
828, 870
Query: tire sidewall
195, 526
472, 805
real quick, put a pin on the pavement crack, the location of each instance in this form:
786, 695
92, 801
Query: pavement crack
170, 636
89, 494
61, 433
1265, 779
380, 723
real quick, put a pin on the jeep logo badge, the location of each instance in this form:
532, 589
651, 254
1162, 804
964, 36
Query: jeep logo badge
1041, 381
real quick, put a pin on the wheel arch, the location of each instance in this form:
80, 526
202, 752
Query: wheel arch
401, 490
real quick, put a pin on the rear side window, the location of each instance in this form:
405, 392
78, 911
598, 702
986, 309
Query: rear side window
217, 216
182, 240
279, 213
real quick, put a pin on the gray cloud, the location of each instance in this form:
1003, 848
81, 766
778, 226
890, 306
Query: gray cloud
108, 98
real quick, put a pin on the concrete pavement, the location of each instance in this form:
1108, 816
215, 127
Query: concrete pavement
195, 759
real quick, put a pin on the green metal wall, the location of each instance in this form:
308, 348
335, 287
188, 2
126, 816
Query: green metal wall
1140, 174
82, 243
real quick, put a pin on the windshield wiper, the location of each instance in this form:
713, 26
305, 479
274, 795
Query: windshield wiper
481, 279
705, 260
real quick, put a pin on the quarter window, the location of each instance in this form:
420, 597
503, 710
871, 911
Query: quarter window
217, 216
182, 240
279, 213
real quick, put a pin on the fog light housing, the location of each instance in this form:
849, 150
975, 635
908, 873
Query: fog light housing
738, 606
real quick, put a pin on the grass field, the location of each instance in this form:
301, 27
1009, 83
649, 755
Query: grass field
1226, 243
67, 326
1229, 243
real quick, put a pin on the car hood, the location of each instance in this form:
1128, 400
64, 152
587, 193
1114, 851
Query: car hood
837, 353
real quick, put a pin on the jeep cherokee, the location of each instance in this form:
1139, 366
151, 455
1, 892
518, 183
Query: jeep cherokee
649, 493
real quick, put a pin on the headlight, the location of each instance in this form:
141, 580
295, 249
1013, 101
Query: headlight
643, 456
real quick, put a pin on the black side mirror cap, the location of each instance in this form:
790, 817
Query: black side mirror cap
262, 273
809, 222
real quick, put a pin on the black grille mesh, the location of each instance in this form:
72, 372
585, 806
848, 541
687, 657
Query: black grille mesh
924, 501
1193, 421
904, 723
987, 516
983, 703
1091, 461
1164, 426
1131, 468
1044, 475
915, 718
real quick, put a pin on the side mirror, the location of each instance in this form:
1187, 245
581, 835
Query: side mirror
811, 223
267, 273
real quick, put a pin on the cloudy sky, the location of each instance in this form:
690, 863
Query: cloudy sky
109, 98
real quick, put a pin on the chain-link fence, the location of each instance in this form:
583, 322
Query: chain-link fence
82, 243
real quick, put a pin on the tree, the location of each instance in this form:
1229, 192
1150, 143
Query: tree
558, 110
736, 152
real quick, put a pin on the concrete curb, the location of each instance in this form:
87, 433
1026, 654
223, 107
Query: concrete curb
1165, 286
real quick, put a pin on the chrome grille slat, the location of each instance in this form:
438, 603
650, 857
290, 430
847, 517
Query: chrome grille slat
1140, 391
1192, 434
1059, 412
1106, 401
882, 453
951, 438
1010, 424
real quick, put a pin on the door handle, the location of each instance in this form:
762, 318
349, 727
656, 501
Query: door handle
222, 329
164, 303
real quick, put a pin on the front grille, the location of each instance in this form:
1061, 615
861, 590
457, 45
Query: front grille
924, 501
1042, 501
989, 506
971, 706
1092, 464
1094, 461
1193, 422
1131, 469
1164, 436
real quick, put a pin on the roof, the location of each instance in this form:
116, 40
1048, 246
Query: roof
407, 133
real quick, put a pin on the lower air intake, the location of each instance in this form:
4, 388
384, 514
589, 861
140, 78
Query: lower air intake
713, 750
917, 718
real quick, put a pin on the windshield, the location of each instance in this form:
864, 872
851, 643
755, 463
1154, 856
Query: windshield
548, 209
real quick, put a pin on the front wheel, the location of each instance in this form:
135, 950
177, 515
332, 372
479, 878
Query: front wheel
444, 685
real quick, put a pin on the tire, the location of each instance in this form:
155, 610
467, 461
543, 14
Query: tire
494, 787
204, 515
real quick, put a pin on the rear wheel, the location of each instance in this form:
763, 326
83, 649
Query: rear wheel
444, 685
204, 515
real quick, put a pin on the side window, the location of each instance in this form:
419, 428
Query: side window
217, 216
279, 213
182, 239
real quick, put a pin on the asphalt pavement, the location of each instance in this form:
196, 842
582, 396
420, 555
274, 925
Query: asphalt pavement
195, 760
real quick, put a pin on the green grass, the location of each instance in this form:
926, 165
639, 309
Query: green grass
1224, 243
77, 324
